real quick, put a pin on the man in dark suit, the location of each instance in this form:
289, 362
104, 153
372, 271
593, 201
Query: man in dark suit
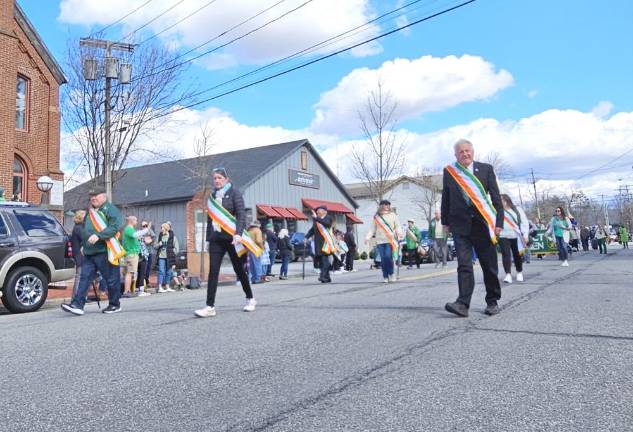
320, 216
470, 230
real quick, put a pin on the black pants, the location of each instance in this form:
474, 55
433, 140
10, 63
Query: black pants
217, 249
324, 265
349, 259
510, 251
140, 271
585, 244
412, 257
487, 254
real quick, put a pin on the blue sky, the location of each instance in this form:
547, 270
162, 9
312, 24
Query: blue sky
562, 55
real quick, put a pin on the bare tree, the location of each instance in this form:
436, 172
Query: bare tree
503, 169
382, 157
427, 202
154, 90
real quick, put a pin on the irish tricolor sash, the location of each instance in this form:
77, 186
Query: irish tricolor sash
329, 246
226, 221
389, 232
473, 188
115, 250
513, 224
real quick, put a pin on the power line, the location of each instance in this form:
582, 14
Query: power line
121, 19
242, 36
178, 22
153, 19
312, 48
607, 164
319, 59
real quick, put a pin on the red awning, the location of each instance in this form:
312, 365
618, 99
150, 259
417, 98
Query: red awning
284, 213
334, 207
297, 213
353, 218
268, 211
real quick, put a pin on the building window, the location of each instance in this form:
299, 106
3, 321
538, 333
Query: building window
22, 104
19, 180
304, 160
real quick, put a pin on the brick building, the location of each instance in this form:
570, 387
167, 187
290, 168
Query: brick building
30, 79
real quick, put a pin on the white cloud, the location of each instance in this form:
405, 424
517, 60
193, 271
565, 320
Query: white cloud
532, 94
317, 21
419, 86
603, 109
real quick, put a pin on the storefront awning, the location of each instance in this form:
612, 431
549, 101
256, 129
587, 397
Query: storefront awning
334, 207
268, 211
353, 218
298, 214
284, 213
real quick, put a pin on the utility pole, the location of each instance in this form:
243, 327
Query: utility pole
111, 71
538, 210
520, 196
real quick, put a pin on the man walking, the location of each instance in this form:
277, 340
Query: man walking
412, 241
473, 212
101, 251
272, 240
438, 236
324, 244
350, 241
585, 234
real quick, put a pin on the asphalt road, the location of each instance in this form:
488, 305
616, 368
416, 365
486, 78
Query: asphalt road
354, 355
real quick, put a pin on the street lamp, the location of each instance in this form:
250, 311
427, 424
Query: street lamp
44, 184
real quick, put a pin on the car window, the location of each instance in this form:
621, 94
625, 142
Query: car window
4, 231
39, 223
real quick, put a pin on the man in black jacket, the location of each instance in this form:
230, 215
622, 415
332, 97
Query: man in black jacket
470, 230
350, 241
272, 240
321, 217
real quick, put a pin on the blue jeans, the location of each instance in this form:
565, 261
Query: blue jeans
273, 257
562, 248
109, 273
386, 259
164, 272
285, 259
255, 268
148, 268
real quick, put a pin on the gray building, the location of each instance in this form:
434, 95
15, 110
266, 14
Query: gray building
281, 183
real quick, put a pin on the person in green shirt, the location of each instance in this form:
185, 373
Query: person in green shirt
412, 239
624, 237
438, 235
95, 253
130, 238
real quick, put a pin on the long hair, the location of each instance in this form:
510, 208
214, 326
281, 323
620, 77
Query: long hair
562, 212
507, 199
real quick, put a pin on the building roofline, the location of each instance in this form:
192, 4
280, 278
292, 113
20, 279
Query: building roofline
39, 44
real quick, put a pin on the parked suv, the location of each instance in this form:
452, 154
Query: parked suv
34, 250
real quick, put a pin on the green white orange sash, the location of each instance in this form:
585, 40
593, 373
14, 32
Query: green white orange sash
513, 224
226, 221
329, 247
389, 232
115, 250
473, 188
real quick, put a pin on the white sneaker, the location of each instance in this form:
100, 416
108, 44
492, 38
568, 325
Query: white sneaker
170, 289
317, 271
565, 264
205, 312
392, 278
520, 277
386, 280
337, 272
508, 278
250, 305
143, 294
161, 290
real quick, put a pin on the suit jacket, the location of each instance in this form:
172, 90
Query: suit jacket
233, 201
456, 212
314, 232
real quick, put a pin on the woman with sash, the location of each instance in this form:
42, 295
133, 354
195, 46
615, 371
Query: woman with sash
386, 232
225, 234
324, 244
513, 238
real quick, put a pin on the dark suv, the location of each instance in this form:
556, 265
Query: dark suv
34, 250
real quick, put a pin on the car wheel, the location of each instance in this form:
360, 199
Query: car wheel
25, 290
